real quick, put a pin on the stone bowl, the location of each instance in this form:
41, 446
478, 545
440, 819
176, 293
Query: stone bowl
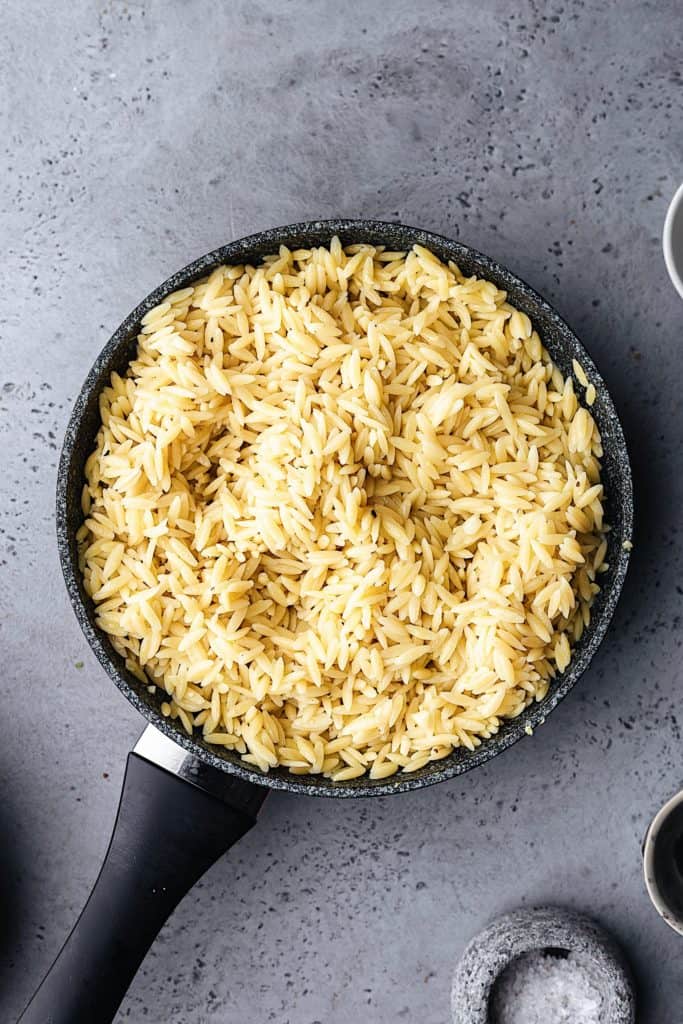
542, 928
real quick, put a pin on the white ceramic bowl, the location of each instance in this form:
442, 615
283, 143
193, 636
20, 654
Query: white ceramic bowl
672, 241
663, 862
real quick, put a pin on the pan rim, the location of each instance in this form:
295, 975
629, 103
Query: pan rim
456, 763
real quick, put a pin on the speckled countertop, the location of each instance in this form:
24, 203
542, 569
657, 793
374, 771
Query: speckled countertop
138, 135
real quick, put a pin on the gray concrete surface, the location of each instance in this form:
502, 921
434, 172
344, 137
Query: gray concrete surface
137, 135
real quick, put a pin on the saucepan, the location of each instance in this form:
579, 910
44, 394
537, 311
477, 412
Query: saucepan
185, 803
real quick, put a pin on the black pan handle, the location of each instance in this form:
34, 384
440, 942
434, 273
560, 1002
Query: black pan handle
168, 831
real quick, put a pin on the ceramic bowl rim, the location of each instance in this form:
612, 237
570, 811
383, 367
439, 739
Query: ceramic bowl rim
649, 873
675, 269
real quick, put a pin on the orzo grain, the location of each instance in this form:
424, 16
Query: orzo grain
343, 509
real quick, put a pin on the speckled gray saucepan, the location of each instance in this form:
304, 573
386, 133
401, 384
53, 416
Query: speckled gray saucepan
221, 770
563, 346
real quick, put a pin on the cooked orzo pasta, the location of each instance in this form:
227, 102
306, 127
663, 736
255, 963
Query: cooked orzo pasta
343, 509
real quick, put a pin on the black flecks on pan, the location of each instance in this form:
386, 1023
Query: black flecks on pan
563, 346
